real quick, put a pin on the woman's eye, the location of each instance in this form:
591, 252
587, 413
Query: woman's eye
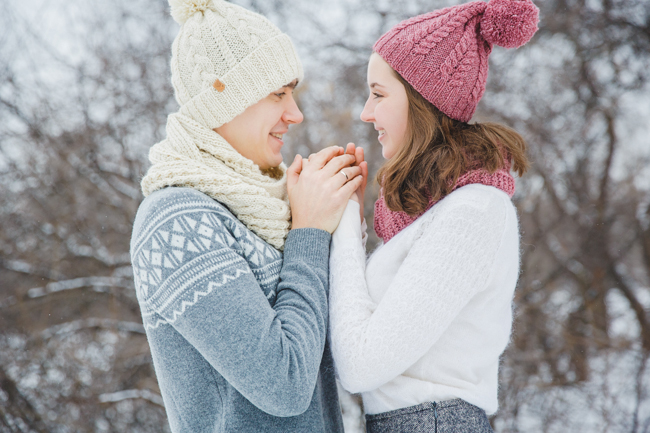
377, 95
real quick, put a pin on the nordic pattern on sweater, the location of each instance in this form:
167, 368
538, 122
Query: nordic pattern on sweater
237, 330
173, 239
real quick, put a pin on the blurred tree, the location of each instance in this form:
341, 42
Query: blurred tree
581, 99
85, 93
80, 103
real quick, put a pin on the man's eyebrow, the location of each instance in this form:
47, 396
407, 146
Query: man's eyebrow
292, 85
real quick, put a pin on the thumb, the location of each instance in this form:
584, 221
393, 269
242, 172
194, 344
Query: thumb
293, 173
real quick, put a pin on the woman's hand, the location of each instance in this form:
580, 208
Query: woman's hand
319, 188
363, 165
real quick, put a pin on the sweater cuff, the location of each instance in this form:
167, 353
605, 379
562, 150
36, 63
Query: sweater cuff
309, 245
349, 228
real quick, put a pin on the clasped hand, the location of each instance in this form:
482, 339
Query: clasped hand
320, 186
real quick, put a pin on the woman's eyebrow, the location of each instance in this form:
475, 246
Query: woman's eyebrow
373, 85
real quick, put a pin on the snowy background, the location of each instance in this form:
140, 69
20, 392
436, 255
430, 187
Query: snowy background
84, 93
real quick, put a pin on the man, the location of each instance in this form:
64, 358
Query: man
237, 329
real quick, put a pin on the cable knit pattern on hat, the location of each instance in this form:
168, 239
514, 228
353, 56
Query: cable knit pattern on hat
388, 223
249, 55
444, 54
197, 157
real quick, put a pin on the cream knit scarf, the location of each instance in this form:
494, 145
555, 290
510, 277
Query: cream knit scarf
196, 157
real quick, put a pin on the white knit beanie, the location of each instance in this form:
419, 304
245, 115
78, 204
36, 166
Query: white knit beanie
225, 59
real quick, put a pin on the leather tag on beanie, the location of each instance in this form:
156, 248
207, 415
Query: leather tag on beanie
219, 85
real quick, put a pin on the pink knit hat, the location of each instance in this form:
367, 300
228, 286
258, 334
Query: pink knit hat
444, 54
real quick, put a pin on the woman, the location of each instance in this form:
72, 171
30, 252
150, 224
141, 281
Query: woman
418, 329
232, 285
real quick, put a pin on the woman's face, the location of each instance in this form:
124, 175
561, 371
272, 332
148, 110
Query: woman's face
387, 106
257, 132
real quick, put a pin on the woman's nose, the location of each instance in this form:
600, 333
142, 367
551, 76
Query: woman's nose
367, 114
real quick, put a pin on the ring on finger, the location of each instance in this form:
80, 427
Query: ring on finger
344, 174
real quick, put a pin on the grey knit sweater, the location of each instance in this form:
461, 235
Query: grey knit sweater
237, 332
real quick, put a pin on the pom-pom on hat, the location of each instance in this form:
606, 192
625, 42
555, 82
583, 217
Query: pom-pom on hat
226, 58
444, 54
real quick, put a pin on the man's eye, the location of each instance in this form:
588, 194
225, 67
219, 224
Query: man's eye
280, 95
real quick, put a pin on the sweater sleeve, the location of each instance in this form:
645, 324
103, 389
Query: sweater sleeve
269, 352
447, 265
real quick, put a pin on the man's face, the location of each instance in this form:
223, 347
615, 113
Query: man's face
257, 132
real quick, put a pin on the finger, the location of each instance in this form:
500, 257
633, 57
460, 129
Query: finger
359, 155
337, 163
296, 166
293, 172
327, 149
364, 172
325, 155
321, 158
349, 188
350, 149
346, 174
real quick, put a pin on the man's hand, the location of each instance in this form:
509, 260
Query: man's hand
320, 187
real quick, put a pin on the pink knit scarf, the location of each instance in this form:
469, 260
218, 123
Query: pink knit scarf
388, 223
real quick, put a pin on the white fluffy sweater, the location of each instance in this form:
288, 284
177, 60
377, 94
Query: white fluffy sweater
430, 312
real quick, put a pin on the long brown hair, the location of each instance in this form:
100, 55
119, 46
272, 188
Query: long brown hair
438, 149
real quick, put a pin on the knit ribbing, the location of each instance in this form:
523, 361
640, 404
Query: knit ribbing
237, 330
428, 315
444, 54
197, 157
248, 57
221, 41
388, 223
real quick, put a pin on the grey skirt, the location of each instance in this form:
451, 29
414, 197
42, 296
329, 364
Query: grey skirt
450, 416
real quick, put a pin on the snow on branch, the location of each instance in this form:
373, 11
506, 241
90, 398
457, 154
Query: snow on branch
29, 269
94, 322
97, 283
145, 394
97, 251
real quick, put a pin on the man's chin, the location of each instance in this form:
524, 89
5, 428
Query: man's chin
275, 161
